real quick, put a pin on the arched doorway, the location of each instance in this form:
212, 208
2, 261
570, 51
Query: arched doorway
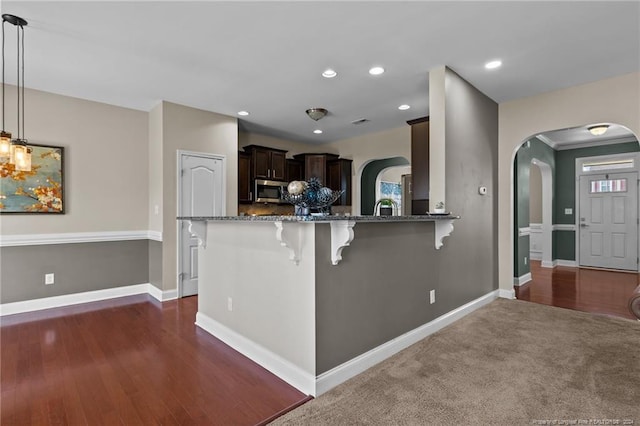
368, 178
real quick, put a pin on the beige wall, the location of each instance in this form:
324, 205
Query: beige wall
105, 163
191, 129
535, 195
373, 146
614, 100
155, 168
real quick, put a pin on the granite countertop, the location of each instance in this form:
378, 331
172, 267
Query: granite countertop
291, 218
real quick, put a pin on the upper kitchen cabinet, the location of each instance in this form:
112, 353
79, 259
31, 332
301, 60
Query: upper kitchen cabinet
295, 170
419, 165
315, 165
267, 163
339, 178
244, 178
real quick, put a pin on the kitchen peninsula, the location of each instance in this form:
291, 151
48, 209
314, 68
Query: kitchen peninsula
317, 300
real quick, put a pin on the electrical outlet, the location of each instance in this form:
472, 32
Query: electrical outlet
432, 297
229, 304
49, 279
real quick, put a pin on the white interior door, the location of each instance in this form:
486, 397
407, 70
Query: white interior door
609, 221
202, 194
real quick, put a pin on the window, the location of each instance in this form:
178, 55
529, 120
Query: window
607, 165
608, 185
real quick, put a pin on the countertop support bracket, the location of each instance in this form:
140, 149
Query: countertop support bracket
289, 235
444, 228
341, 236
199, 229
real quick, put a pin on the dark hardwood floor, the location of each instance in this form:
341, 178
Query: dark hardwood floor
588, 290
129, 361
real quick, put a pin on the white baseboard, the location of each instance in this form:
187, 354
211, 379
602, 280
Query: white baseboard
85, 297
563, 262
286, 370
71, 299
162, 295
548, 264
535, 255
522, 280
357, 365
507, 294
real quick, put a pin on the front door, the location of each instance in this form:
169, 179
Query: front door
201, 194
608, 223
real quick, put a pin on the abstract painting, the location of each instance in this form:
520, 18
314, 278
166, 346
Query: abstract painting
39, 190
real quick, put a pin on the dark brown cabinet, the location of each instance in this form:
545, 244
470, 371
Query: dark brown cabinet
315, 165
267, 163
295, 170
419, 165
339, 178
245, 194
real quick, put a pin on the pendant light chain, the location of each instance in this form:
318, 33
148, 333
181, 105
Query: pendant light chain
23, 115
3, 76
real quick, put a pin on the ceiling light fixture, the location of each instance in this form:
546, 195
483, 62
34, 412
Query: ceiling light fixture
243, 113
404, 107
493, 64
329, 73
376, 71
598, 129
317, 131
316, 113
19, 151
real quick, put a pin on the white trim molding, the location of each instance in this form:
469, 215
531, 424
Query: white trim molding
85, 297
355, 366
286, 370
507, 294
522, 280
524, 231
76, 237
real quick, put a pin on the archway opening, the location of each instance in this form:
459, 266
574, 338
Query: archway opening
368, 180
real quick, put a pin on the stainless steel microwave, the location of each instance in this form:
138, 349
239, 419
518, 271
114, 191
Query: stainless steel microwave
269, 191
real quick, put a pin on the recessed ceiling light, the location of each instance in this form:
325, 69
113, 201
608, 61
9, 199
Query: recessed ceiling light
376, 70
243, 113
329, 73
317, 131
404, 107
493, 64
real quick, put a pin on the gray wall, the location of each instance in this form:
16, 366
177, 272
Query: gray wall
380, 290
470, 256
77, 267
155, 263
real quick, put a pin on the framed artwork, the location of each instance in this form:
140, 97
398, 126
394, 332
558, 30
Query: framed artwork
38, 191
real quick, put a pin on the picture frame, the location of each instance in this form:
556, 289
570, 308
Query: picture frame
38, 191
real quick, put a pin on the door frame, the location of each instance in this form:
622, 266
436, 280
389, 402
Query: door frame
547, 212
578, 172
180, 153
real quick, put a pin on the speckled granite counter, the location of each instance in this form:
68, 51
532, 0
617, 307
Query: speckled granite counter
341, 227
291, 218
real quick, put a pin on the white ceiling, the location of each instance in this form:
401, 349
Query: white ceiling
267, 57
581, 137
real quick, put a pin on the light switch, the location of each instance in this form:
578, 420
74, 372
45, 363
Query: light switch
568, 211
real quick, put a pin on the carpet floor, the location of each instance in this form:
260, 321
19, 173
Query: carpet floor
510, 362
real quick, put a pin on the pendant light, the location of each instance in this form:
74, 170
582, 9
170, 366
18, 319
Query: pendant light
19, 151
5, 137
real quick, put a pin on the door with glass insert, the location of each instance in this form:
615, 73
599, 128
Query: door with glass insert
608, 221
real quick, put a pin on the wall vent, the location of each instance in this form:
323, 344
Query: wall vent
360, 121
